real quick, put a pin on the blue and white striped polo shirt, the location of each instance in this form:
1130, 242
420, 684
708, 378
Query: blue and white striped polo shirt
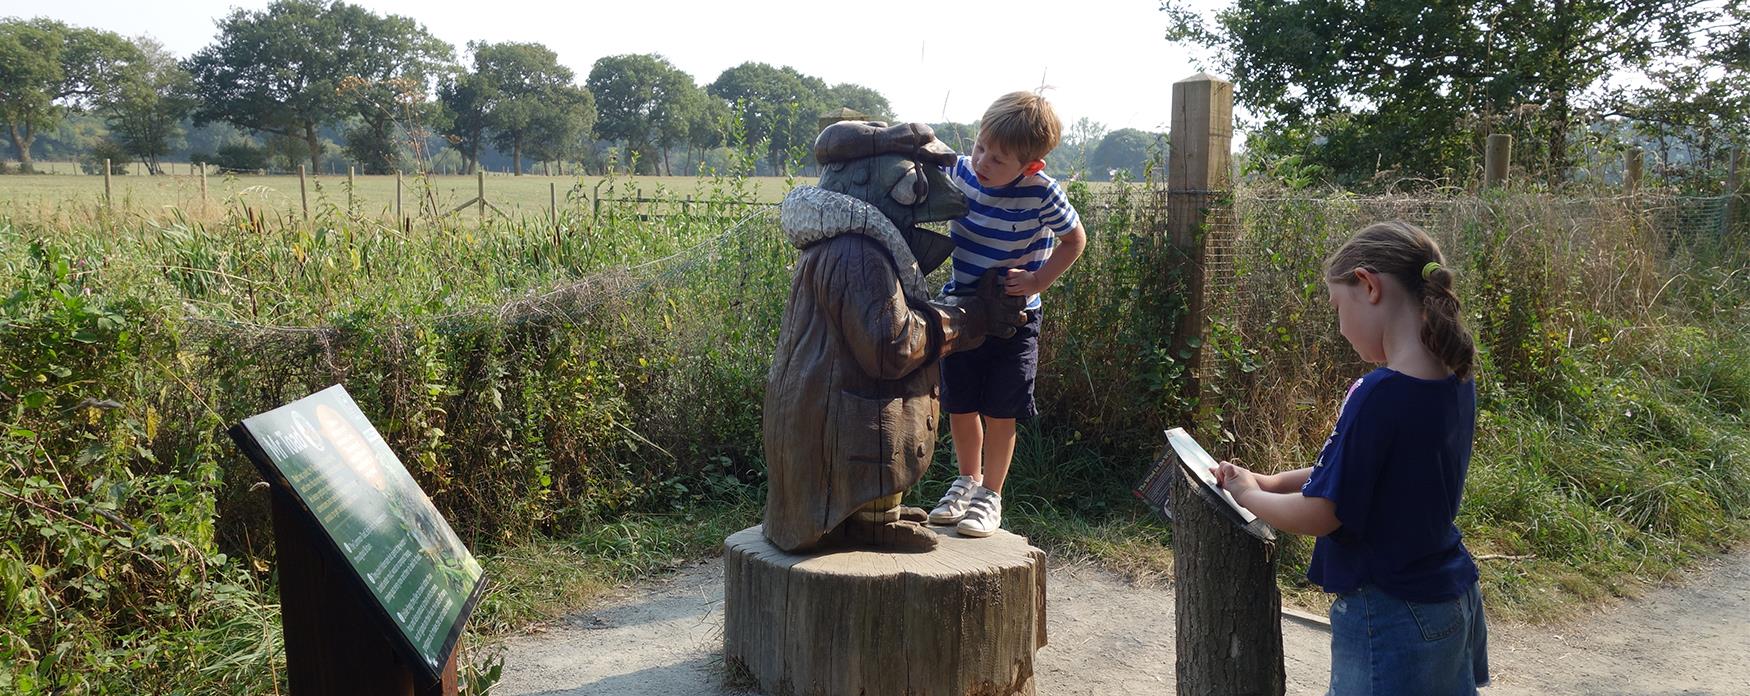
1006, 226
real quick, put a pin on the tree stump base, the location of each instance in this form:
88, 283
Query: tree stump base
962, 620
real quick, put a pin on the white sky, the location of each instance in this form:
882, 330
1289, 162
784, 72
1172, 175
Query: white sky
1103, 59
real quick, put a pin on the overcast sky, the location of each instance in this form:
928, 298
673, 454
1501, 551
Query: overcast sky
1101, 59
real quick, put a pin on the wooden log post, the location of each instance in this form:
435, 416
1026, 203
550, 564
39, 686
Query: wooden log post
1199, 176
1229, 631
1631, 172
482, 198
108, 200
304, 193
333, 646
1495, 159
1735, 157
553, 201
351, 171
964, 619
398, 218
203, 188
1228, 608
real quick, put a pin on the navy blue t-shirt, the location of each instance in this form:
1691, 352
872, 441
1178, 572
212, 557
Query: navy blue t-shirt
1395, 466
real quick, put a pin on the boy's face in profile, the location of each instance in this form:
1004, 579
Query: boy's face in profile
996, 165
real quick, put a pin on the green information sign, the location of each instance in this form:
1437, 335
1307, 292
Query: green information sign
323, 451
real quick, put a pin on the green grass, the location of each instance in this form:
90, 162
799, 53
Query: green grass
372, 196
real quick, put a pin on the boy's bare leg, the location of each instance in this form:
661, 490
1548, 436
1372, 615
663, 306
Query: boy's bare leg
968, 443
999, 449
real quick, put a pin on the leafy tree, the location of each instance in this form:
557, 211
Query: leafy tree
1411, 86
708, 126
530, 85
47, 69
280, 70
1700, 102
778, 106
467, 100
106, 150
240, 156
1125, 150
960, 136
561, 132
867, 100
145, 111
1077, 148
644, 101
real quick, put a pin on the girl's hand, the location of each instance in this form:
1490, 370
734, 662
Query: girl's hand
1236, 479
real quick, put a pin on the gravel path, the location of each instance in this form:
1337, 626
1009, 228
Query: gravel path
1110, 637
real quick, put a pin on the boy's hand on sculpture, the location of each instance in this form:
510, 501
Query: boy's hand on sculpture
1006, 311
1022, 283
968, 319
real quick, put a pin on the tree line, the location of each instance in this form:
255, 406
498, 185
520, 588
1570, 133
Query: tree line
305, 73
1363, 93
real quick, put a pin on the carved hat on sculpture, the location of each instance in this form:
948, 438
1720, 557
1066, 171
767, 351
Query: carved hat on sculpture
898, 170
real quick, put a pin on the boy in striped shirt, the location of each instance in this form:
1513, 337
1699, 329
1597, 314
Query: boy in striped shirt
1018, 221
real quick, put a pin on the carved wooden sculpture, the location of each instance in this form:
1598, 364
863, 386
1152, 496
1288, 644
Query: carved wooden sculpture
851, 406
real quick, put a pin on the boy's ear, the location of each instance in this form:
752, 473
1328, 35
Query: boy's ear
1033, 167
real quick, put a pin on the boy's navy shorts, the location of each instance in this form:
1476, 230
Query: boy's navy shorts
996, 378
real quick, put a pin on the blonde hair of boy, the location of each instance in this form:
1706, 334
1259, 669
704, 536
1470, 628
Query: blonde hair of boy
1022, 123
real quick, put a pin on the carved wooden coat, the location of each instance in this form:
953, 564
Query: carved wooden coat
851, 399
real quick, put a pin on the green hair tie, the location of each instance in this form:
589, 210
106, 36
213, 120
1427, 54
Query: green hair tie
1428, 268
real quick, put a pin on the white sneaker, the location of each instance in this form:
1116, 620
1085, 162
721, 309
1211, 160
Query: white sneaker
952, 507
983, 515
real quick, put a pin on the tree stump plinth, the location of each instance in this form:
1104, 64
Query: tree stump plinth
962, 620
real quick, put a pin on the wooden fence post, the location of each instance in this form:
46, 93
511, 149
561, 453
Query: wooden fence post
303, 193
203, 188
350, 171
553, 200
1734, 156
482, 181
108, 200
1631, 179
1228, 608
1496, 158
398, 217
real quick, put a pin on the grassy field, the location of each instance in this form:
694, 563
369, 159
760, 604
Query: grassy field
371, 195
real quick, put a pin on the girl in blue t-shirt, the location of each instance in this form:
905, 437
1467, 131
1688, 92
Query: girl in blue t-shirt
1383, 494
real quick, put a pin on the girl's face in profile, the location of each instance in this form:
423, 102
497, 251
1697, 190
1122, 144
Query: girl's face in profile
1359, 315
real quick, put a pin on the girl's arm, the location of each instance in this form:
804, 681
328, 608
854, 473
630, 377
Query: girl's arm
1285, 481
1290, 512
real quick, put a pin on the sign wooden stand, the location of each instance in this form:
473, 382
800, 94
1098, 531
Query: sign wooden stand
335, 644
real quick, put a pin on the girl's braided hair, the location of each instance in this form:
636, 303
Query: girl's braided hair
1407, 253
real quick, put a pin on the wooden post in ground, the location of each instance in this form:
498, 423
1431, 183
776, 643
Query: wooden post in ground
350, 183
1199, 176
203, 188
1229, 630
108, 200
1495, 159
482, 198
1732, 184
333, 647
1631, 171
303, 193
553, 201
398, 218
1228, 608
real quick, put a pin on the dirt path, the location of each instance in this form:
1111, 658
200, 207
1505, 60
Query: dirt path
1111, 637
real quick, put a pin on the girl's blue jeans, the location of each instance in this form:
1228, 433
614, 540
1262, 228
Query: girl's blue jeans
1384, 646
